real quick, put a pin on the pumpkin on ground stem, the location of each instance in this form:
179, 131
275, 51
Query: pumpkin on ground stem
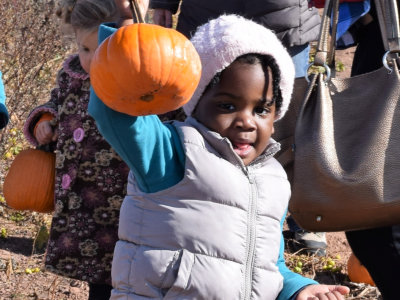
144, 69
357, 272
29, 184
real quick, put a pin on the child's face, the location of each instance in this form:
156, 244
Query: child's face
235, 109
87, 44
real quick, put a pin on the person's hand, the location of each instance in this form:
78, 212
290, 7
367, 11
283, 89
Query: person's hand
125, 13
44, 133
162, 17
323, 292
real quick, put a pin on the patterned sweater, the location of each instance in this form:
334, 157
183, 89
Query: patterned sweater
90, 182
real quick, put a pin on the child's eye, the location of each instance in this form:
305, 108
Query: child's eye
262, 110
84, 49
226, 106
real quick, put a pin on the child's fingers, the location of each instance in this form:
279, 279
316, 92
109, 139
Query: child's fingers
336, 292
338, 295
333, 296
329, 296
44, 133
343, 290
323, 292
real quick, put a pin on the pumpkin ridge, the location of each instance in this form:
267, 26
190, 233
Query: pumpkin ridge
172, 76
160, 81
30, 181
160, 58
133, 67
113, 53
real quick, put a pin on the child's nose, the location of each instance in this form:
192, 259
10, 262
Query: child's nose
245, 120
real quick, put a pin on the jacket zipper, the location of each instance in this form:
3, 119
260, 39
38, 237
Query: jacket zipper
251, 238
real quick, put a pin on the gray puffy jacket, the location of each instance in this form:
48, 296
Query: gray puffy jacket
294, 22
188, 242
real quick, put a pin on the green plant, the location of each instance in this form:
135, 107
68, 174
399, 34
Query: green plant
17, 217
298, 267
41, 238
330, 265
32, 270
15, 143
340, 67
307, 265
32, 48
3, 233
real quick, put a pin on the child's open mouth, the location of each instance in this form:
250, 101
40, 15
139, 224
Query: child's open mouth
242, 149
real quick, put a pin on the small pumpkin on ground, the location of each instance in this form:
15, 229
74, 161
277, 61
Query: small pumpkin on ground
357, 272
29, 184
144, 69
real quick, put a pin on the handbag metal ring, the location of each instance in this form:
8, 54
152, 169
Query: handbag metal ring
327, 70
385, 60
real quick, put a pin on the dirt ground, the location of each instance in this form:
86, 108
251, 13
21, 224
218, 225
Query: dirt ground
21, 266
17, 254
19, 278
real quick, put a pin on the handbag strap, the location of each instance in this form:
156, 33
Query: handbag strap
388, 16
325, 51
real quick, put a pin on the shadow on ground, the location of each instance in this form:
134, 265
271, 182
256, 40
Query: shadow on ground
18, 245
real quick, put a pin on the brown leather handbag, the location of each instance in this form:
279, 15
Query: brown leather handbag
341, 138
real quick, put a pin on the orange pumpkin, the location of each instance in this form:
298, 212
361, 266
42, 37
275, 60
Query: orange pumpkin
357, 272
29, 184
144, 69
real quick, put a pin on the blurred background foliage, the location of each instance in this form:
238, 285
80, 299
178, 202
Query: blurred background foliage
32, 48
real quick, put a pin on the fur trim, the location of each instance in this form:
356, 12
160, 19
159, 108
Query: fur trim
220, 41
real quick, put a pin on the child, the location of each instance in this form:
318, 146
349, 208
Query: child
206, 200
90, 177
3, 108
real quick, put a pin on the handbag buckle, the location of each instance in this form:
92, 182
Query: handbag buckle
327, 71
385, 59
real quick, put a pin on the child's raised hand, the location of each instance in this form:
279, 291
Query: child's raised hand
44, 133
323, 292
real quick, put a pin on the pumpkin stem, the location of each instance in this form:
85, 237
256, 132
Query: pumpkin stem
136, 14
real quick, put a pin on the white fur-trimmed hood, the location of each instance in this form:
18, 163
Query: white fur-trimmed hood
220, 41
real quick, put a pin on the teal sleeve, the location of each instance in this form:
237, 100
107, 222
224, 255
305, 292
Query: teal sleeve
3, 108
292, 282
152, 150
